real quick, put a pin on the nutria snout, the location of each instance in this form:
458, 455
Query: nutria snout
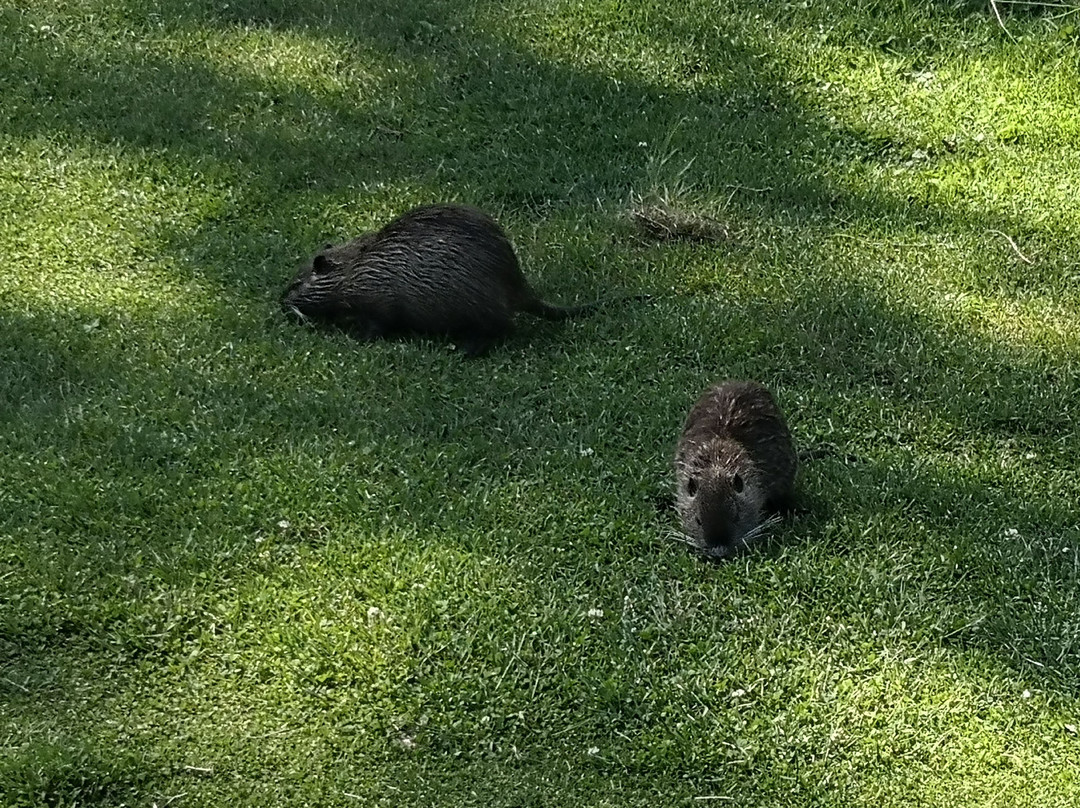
734, 467
437, 269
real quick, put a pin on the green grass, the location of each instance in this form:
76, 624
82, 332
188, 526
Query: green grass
245, 563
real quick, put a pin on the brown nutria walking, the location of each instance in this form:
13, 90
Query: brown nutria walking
436, 269
734, 466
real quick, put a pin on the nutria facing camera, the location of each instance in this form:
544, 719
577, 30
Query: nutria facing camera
436, 269
734, 466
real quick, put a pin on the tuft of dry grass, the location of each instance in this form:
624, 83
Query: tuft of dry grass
665, 223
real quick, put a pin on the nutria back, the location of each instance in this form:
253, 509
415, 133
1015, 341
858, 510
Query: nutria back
436, 269
735, 465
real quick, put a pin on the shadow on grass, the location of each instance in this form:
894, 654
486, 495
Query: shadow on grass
63, 772
128, 443
470, 116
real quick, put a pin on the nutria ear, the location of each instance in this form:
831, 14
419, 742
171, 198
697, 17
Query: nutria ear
319, 264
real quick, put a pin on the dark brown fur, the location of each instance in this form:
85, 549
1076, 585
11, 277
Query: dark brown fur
734, 466
436, 269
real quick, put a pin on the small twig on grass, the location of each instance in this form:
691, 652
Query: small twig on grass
736, 188
198, 769
1012, 244
997, 14
764, 190
16, 684
1068, 8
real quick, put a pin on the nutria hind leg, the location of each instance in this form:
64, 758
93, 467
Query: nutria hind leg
792, 506
364, 330
475, 345
475, 342
785, 504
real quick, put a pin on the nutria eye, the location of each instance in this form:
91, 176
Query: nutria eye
691, 487
736, 483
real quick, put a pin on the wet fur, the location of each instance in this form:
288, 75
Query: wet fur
735, 466
437, 269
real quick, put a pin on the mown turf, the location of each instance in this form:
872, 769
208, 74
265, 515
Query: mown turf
246, 563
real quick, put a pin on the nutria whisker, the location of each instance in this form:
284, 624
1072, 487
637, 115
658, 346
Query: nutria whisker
677, 535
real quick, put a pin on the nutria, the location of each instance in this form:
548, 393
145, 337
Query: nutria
734, 466
437, 269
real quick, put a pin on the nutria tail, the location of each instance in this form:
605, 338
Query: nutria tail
535, 306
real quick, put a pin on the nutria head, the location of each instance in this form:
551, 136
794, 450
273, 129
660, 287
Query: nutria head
325, 286
719, 498
313, 283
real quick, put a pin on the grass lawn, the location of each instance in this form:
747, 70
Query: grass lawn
244, 563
